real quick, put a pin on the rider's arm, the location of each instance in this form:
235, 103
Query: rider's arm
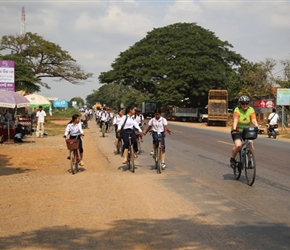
136, 125
66, 132
235, 122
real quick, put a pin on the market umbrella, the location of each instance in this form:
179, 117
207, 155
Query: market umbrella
37, 100
10, 99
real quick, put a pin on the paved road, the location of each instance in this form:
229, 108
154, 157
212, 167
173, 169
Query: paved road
198, 170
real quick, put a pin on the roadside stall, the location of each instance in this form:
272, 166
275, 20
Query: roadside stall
9, 101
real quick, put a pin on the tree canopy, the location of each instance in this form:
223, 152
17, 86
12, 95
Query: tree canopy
40, 59
182, 60
112, 95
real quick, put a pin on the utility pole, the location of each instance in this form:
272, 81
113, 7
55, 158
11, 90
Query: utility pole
23, 22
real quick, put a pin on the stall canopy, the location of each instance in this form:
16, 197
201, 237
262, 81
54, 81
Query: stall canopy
37, 100
10, 99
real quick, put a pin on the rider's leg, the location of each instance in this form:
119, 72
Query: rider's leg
125, 137
237, 138
81, 152
236, 148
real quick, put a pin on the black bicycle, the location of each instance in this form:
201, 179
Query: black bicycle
130, 156
158, 152
245, 158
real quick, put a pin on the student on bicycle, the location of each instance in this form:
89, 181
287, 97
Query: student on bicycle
104, 117
75, 131
139, 119
128, 125
243, 116
116, 122
158, 124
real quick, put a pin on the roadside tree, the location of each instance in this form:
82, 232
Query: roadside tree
182, 60
43, 59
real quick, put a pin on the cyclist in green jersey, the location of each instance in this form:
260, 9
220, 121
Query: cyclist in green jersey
243, 116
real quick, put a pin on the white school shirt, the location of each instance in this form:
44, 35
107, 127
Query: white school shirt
275, 118
158, 125
139, 118
130, 123
117, 119
104, 115
74, 130
41, 114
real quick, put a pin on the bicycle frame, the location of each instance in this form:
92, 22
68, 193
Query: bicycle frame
130, 156
246, 162
74, 160
158, 153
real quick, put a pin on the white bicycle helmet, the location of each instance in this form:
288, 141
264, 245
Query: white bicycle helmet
244, 98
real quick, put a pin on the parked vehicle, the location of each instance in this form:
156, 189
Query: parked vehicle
148, 109
272, 130
217, 107
186, 114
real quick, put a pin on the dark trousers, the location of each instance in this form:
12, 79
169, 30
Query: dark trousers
125, 137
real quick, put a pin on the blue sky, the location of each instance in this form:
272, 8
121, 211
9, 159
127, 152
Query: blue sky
95, 32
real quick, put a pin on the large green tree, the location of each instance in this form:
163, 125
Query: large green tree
182, 60
113, 95
42, 58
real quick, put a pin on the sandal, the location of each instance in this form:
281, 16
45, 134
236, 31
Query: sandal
124, 162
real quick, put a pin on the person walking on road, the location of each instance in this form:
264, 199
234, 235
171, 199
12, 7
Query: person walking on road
40, 119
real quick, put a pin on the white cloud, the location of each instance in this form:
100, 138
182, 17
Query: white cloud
95, 33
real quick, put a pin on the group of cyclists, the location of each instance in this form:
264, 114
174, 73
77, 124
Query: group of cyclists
126, 124
133, 120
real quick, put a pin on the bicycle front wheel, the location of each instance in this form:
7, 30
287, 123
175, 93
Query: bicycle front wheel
73, 162
120, 146
250, 167
158, 160
103, 130
239, 165
131, 160
139, 145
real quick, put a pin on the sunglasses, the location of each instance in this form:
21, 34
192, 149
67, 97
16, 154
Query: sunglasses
244, 103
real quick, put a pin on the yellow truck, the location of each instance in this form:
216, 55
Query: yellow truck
217, 107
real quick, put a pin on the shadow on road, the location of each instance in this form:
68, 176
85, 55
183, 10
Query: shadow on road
173, 233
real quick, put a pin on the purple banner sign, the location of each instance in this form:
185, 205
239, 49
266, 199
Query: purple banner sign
7, 75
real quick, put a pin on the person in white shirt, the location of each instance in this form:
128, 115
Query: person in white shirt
158, 125
129, 127
40, 119
139, 119
104, 117
116, 122
75, 131
273, 119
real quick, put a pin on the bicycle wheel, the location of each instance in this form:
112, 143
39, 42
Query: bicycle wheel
239, 166
120, 146
250, 167
139, 145
158, 160
103, 129
73, 161
132, 159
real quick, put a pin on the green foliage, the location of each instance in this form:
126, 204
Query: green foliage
40, 59
175, 62
78, 100
112, 95
61, 113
